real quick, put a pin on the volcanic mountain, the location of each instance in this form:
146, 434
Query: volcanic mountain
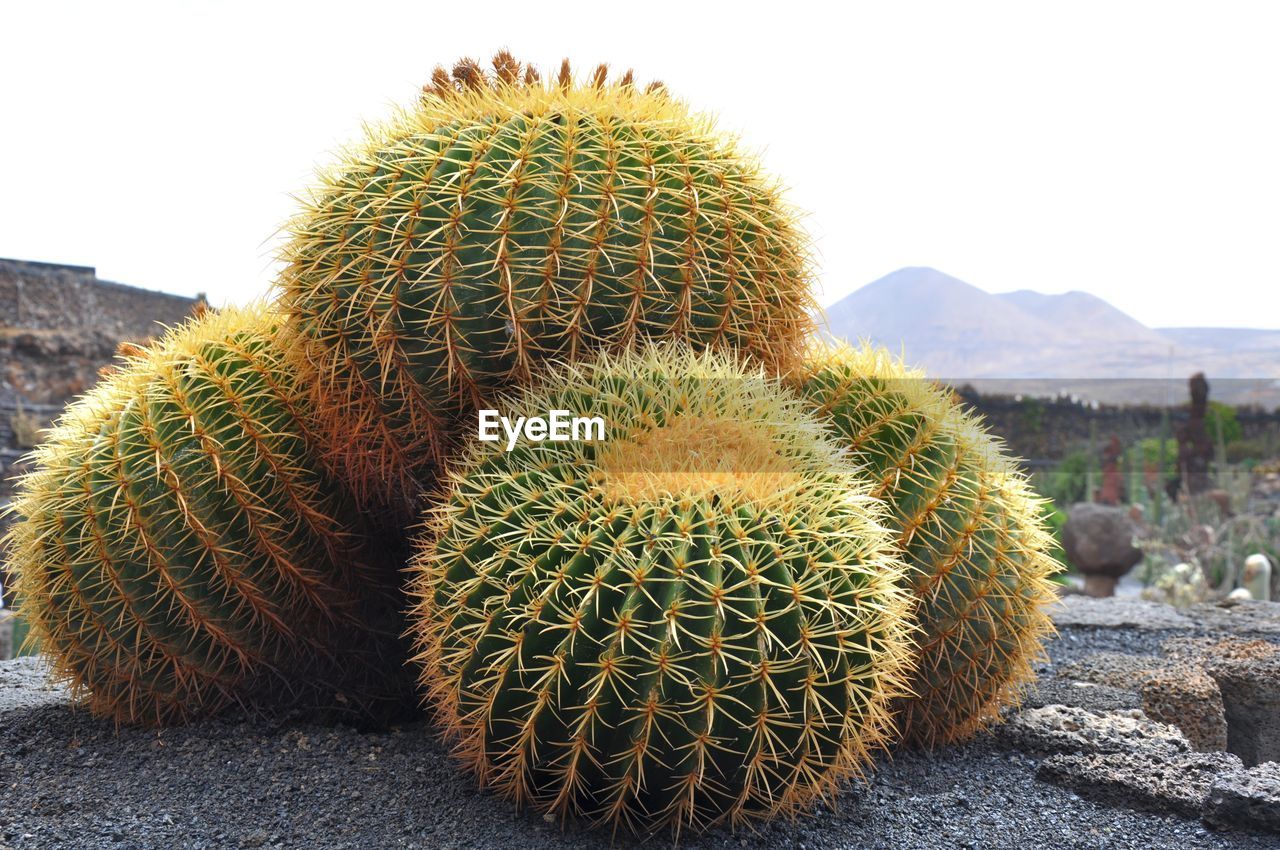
1031, 342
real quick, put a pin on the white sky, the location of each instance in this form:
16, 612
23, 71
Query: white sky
1128, 149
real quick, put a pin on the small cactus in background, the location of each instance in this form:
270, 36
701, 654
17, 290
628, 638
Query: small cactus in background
504, 221
179, 548
696, 621
968, 525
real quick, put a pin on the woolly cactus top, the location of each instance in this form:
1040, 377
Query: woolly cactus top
518, 88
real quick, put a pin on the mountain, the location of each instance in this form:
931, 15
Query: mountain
1031, 342
1224, 339
923, 303
1085, 314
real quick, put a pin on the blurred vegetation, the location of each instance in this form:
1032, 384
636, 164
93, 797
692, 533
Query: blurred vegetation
1067, 483
1222, 424
1055, 518
1212, 533
1248, 452
1155, 454
27, 429
21, 631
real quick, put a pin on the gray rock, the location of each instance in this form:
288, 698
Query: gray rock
1239, 618
73, 781
1063, 729
1086, 695
1246, 799
1098, 540
1251, 696
1084, 611
1248, 674
1187, 697
1141, 779
1114, 669
24, 682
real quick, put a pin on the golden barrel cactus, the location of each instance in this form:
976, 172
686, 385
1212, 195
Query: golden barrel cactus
969, 528
505, 220
695, 621
180, 548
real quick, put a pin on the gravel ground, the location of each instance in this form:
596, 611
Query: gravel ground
67, 780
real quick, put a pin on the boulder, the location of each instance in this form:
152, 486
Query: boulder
1098, 540
1175, 692
1141, 779
1187, 697
1125, 613
1247, 673
1251, 697
1114, 669
1086, 695
1064, 729
1247, 799
1237, 618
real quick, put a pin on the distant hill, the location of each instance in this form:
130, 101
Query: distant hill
1082, 314
1225, 339
1027, 341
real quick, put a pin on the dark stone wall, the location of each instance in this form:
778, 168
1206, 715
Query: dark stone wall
47, 296
59, 325
1046, 429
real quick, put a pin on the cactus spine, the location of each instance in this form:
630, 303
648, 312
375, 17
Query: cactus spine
968, 525
646, 632
504, 221
179, 548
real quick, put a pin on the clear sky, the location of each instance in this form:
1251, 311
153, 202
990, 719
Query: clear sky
1129, 149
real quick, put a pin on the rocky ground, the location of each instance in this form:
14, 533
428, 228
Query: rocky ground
1079, 767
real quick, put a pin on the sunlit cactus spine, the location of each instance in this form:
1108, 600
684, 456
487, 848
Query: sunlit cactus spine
695, 621
968, 524
179, 548
505, 220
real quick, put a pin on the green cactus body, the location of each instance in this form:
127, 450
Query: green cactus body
696, 621
179, 548
968, 526
503, 222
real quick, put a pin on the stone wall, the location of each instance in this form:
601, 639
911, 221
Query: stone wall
48, 296
59, 325
1047, 429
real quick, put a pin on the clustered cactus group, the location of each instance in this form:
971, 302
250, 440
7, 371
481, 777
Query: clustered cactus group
784, 557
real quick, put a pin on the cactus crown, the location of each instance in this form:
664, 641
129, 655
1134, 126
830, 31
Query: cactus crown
510, 77
642, 633
700, 456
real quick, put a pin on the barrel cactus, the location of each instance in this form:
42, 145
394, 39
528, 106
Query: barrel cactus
968, 525
505, 220
178, 547
695, 621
